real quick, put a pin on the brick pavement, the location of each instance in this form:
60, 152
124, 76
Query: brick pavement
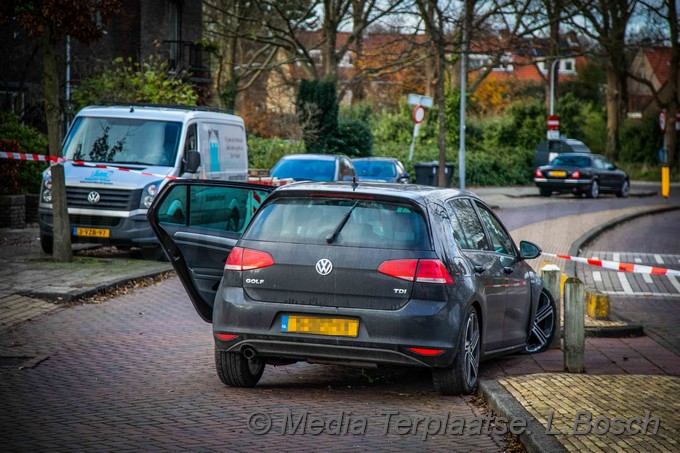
136, 373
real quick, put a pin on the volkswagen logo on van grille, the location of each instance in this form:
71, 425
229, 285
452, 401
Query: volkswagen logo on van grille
324, 266
93, 197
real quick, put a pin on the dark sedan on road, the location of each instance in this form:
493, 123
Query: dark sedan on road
314, 167
581, 173
385, 169
362, 274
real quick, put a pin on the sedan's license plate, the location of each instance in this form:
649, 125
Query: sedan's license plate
338, 327
558, 174
91, 232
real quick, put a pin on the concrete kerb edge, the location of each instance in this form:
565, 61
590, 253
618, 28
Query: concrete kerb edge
77, 294
631, 330
503, 403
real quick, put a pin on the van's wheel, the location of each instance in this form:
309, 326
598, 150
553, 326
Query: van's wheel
461, 377
235, 370
47, 244
593, 190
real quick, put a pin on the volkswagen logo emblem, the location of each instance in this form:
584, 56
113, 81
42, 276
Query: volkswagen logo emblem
93, 197
324, 266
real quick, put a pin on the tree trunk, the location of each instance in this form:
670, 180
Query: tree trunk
613, 120
62, 231
671, 133
359, 88
330, 33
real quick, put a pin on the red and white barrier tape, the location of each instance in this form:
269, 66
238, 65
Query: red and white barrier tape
35, 157
616, 266
53, 160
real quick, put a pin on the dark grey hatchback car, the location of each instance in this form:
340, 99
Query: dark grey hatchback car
362, 274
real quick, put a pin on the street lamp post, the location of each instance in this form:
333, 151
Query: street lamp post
552, 84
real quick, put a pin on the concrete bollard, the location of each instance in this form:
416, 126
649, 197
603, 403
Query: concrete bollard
574, 326
551, 275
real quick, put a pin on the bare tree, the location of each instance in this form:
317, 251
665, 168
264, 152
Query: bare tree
606, 22
663, 15
50, 21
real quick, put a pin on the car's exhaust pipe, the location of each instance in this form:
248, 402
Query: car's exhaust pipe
249, 353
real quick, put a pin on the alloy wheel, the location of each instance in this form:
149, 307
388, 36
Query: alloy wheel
472, 349
543, 327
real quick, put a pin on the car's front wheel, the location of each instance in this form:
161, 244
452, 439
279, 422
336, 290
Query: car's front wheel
544, 324
624, 190
593, 190
461, 377
235, 370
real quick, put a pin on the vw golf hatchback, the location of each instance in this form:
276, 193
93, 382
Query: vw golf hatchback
363, 274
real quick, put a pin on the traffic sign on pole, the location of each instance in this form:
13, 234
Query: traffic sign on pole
418, 114
662, 120
553, 123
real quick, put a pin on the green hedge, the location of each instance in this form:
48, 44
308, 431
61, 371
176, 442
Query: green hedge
20, 177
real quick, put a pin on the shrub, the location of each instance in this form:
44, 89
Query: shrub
264, 153
129, 81
22, 177
353, 137
317, 109
640, 141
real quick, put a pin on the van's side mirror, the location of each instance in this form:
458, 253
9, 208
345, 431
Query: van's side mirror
192, 160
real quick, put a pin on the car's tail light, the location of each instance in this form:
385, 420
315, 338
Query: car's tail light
226, 336
426, 351
421, 271
242, 259
576, 174
539, 173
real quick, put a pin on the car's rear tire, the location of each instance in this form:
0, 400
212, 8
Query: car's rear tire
624, 190
544, 324
545, 192
235, 370
461, 377
593, 190
47, 244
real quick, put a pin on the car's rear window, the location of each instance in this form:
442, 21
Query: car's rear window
383, 169
304, 169
314, 220
571, 161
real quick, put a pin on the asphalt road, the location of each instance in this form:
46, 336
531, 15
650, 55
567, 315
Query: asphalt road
650, 300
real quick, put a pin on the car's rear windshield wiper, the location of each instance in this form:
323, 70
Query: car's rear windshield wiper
331, 237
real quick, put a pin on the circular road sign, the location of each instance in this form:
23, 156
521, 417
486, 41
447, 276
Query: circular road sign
662, 121
553, 123
419, 114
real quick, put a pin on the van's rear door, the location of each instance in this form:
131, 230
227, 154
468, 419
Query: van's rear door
197, 224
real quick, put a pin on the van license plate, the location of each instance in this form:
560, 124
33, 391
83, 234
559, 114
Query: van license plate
337, 327
91, 232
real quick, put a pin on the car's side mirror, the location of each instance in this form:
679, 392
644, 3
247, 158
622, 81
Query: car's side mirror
529, 250
192, 160
405, 177
611, 167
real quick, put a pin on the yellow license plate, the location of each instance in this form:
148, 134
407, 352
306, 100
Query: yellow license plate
558, 174
337, 327
92, 232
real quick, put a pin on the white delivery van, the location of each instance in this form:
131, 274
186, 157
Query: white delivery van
109, 206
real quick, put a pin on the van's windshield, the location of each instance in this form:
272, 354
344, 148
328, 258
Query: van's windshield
123, 141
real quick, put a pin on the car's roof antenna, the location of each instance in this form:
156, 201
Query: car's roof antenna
355, 184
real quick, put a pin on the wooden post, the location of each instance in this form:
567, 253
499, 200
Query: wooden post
574, 326
551, 280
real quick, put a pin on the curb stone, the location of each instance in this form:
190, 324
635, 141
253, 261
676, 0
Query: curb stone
501, 401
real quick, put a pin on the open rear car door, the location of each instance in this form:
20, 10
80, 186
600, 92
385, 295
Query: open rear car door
197, 223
